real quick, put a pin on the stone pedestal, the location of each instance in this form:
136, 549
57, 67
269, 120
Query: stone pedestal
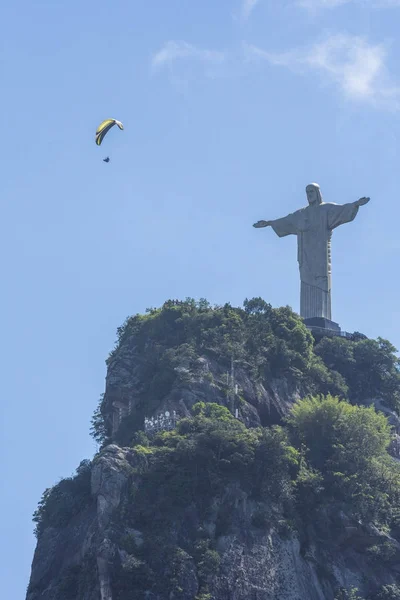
320, 327
323, 323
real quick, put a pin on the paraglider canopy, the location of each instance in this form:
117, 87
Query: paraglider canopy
105, 127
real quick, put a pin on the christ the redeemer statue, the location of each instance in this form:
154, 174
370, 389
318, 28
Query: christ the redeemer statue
313, 226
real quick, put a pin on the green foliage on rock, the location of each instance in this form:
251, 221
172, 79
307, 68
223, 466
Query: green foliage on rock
60, 503
370, 368
268, 343
99, 430
345, 446
195, 462
131, 579
271, 340
193, 474
330, 456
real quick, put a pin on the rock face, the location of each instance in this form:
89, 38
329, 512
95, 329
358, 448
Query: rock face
258, 403
261, 562
205, 380
86, 540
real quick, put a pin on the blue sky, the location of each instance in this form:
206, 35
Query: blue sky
230, 109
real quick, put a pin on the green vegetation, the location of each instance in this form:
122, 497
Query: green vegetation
330, 451
194, 463
193, 472
347, 447
331, 456
267, 343
369, 367
328, 457
99, 429
73, 583
60, 503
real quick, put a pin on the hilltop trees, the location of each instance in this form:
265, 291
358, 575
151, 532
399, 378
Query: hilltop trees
370, 368
347, 446
267, 343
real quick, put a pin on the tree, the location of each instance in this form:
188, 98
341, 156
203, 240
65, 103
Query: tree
348, 445
257, 306
370, 367
99, 430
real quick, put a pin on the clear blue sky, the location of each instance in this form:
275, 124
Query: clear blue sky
230, 110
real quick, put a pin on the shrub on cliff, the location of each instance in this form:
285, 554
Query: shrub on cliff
347, 445
206, 453
64, 500
370, 368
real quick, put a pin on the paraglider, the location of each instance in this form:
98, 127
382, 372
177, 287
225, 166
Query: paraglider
105, 127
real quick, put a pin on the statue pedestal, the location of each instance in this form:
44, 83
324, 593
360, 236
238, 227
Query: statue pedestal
320, 327
322, 323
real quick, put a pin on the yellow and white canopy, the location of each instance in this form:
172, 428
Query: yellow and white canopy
105, 127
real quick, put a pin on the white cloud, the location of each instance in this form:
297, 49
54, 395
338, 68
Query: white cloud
173, 51
247, 7
358, 68
318, 4
315, 5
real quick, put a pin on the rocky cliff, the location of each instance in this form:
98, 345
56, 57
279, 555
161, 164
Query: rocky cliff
223, 498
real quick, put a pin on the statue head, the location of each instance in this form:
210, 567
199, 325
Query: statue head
313, 194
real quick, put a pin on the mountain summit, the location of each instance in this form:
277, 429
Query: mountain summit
239, 459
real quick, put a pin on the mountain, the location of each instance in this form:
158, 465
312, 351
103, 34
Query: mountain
238, 458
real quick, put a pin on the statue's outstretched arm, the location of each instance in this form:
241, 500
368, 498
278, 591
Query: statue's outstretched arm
361, 201
262, 224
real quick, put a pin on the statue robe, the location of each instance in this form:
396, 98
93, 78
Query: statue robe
313, 226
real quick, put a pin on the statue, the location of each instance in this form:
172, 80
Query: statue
313, 226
